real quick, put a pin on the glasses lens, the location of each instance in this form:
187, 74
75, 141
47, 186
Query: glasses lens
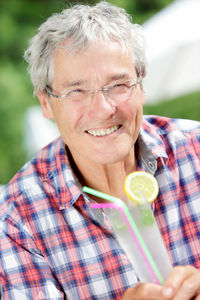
120, 92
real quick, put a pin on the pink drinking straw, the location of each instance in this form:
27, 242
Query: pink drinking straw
123, 209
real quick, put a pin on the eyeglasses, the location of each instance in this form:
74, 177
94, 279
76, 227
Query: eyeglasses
118, 92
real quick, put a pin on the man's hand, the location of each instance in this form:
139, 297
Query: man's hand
182, 284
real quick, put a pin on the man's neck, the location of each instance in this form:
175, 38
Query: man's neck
108, 179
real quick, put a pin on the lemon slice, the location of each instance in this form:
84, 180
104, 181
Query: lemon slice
141, 187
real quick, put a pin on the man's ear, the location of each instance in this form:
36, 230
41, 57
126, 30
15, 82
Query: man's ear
45, 105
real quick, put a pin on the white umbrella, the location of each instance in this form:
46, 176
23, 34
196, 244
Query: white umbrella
173, 51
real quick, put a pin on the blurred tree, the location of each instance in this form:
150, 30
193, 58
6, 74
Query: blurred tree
153, 5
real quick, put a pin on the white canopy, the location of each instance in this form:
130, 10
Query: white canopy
173, 51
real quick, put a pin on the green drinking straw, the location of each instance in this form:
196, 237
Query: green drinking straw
122, 207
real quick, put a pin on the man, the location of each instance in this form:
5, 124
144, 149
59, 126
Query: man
87, 66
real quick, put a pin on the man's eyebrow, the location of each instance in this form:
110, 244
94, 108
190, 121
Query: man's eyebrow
119, 76
72, 83
82, 82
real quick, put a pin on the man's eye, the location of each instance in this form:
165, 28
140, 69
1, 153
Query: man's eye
118, 84
120, 87
76, 92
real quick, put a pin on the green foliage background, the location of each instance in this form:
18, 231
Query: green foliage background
19, 20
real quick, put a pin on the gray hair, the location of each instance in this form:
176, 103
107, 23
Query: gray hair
82, 25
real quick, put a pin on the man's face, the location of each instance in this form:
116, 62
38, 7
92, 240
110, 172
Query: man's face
95, 130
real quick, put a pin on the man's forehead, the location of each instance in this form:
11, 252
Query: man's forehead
108, 63
69, 47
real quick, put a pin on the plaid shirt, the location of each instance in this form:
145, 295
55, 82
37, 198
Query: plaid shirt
53, 246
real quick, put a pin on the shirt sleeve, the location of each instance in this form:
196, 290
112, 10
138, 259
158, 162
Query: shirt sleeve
24, 272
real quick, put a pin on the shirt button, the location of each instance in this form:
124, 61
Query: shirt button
151, 165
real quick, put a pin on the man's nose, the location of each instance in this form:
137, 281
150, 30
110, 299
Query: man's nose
100, 106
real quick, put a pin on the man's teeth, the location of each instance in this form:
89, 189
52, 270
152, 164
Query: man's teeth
102, 132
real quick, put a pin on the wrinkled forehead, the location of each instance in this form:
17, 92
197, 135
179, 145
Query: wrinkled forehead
96, 50
92, 65
93, 56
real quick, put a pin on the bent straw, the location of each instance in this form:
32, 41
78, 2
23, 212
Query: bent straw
123, 209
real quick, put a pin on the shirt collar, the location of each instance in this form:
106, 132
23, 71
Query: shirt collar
151, 140
57, 173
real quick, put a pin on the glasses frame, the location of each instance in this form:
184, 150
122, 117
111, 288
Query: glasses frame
104, 90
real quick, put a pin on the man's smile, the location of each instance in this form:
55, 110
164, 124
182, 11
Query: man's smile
103, 132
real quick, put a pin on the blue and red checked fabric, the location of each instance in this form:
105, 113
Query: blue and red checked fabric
54, 246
